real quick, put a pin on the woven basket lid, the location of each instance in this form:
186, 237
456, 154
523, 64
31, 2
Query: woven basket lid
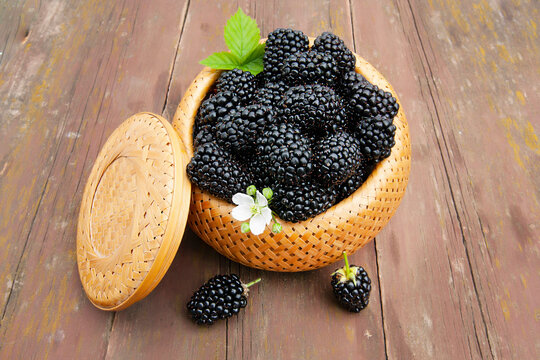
133, 212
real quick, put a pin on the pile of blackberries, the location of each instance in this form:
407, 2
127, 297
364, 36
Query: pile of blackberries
308, 127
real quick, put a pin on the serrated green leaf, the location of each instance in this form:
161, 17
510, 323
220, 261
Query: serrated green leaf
221, 60
242, 35
254, 61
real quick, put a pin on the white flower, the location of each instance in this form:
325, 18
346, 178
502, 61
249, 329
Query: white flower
256, 210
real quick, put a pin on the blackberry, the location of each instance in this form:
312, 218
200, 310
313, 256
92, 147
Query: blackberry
310, 67
271, 94
280, 44
285, 152
215, 171
367, 100
241, 83
348, 81
238, 132
337, 157
215, 107
349, 186
219, 298
203, 134
376, 135
333, 45
351, 286
314, 108
301, 201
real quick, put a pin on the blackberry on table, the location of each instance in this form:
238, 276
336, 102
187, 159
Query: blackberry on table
280, 44
351, 286
310, 67
215, 171
376, 135
314, 108
367, 100
337, 157
241, 83
285, 152
219, 298
215, 107
333, 45
299, 202
238, 132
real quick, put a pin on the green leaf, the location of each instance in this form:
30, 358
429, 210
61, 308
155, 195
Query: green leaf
254, 61
241, 35
222, 60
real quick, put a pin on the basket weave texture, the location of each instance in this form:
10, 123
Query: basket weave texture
133, 212
316, 242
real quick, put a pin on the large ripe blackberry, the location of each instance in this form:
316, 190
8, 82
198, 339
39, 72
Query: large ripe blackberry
219, 298
349, 186
215, 171
310, 67
241, 83
314, 108
336, 157
349, 80
238, 132
376, 135
367, 100
333, 45
285, 152
299, 202
215, 107
280, 44
271, 94
203, 134
351, 286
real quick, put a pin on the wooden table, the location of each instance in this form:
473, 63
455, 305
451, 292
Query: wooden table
456, 271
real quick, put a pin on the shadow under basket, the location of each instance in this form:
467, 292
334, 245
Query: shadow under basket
316, 242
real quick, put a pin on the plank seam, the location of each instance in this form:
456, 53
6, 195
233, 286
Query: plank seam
171, 72
108, 336
381, 299
430, 83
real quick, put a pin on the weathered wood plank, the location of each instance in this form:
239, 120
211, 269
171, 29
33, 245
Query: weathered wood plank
85, 67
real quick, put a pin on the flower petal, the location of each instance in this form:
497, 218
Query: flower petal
241, 212
242, 199
257, 224
267, 214
261, 200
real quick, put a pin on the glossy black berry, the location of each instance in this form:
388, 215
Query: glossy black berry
219, 298
376, 135
271, 94
351, 286
280, 44
367, 100
203, 134
349, 186
238, 132
214, 170
348, 82
217, 106
333, 45
337, 157
241, 83
310, 67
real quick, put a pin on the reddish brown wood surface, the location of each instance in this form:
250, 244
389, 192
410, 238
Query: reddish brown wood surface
457, 265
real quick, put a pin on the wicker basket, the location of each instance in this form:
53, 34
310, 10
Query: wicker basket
310, 244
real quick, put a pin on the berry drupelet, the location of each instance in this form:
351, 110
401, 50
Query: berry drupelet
349, 186
333, 45
215, 107
241, 83
280, 44
337, 157
238, 132
349, 80
215, 171
203, 134
351, 286
313, 108
299, 202
219, 298
271, 94
285, 152
376, 135
367, 100
310, 67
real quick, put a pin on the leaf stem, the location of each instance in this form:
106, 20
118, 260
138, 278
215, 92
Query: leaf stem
253, 282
